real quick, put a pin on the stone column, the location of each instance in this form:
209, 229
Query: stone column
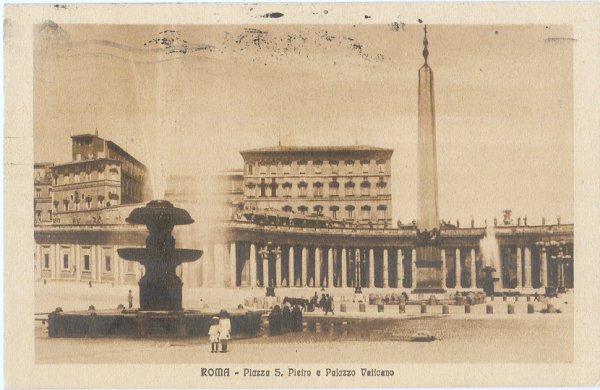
444, 269
473, 268
527, 276
56, 262
232, 264
330, 280
519, 267
253, 266
543, 267
413, 268
264, 255
500, 269
304, 281
400, 268
79, 262
277, 253
458, 269
344, 269
291, 276
317, 280
371, 282
385, 268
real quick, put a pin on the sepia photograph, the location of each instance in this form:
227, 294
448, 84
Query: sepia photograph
263, 195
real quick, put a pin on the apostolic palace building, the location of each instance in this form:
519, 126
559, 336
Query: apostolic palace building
293, 217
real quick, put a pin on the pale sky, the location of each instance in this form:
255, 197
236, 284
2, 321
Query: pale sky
188, 104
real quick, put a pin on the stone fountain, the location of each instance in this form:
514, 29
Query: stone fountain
161, 313
160, 287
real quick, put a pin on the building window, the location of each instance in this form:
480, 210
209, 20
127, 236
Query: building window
349, 212
250, 169
88, 202
317, 165
287, 167
273, 168
107, 263
287, 188
349, 188
366, 212
381, 186
88, 176
381, 166
287, 209
302, 210
55, 204
65, 261
333, 188
365, 187
66, 179
66, 203
334, 166
46, 260
77, 205
318, 189
365, 166
76, 178
334, 210
38, 192
100, 200
114, 173
273, 186
349, 166
86, 262
100, 174
381, 209
262, 169
302, 167
302, 188
251, 189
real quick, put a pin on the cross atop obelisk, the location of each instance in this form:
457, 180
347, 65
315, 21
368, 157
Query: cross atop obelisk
427, 190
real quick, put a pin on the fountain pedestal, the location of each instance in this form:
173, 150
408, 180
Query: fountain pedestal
160, 287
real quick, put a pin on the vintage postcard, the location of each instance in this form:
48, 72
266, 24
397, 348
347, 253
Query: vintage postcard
284, 195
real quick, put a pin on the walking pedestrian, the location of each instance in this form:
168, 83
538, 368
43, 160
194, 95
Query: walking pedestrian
130, 299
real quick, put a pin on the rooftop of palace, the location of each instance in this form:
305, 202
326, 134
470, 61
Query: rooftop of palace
284, 149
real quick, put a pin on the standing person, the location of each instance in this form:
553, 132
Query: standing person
130, 299
225, 329
213, 334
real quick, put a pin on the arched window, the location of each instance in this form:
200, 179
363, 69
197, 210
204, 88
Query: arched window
365, 166
381, 185
317, 165
349, 188
287, 188
66, 203
302, 167
365, 187
114, 173
302, 188
318, 209
381, 209
287, 208
302, 209
318, 189
251, 189
334, 187
349, 166
334, 166
287, 167
273, 186
366, 212
349, 212
334, 209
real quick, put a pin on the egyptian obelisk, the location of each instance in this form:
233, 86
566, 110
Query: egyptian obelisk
428, 262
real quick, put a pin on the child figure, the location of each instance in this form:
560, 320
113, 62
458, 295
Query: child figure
213, 334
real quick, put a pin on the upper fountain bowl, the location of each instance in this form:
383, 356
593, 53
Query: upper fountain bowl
159, 214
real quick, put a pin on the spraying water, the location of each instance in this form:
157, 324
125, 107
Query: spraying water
489, 248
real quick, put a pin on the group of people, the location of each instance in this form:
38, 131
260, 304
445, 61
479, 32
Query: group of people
289, 318
325, 303
219, 332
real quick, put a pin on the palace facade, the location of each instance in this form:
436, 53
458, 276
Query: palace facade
346, 183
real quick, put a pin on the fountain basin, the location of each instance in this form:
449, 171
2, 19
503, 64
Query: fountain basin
147, 324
